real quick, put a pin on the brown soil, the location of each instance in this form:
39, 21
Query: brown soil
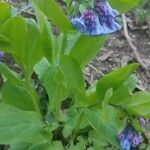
117, 53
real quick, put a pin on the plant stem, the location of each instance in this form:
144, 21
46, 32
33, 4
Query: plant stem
74, 133
32, 91
77, 125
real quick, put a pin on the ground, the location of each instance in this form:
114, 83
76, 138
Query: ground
117, 53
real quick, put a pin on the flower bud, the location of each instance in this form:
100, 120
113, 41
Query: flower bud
143, 121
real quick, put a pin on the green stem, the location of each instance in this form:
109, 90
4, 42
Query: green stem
32, 91
79, 122
78, 126
74, 133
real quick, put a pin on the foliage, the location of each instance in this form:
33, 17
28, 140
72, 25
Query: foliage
30, 121
142, 11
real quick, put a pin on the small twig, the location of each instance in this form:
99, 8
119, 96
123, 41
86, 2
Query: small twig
5, 147
86, 73
133, 47
23, 9
96, 70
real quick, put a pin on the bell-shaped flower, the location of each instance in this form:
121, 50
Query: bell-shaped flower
97, 21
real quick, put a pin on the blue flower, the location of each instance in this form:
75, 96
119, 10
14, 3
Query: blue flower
1, 54
86, 23
102, 7
144, 121
89, 21
125, 144
130, 138
99, 21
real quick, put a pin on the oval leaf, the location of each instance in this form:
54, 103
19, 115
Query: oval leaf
114, 79
105, 130
19, 126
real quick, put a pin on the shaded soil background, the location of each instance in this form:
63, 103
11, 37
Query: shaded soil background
116, 52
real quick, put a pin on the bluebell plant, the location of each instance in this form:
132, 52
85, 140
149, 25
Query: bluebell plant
99, 20
54, 109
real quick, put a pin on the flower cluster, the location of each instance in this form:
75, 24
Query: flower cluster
97, 21
130, 138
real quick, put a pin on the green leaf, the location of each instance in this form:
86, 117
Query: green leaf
123, 5
54, 13
138, 104
119, 95
47, 41
5, 10
47, 34
67, 130
105, 130
56, 91
44, 146
24, 49
141, 3
114, 79
81, 143
17, 96
33, 50
10, 75
97, 139
75, 116
5, 43
86, 48
11, 30
113, 118
74, 76
91, 94
136, 124
20, 146
41, 67
55, 145
40, 16
57, 48
130, 83
19, 126
70, 39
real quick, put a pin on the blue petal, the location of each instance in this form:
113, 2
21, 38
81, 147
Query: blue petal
115, 26
125, 145
1, 54
79, 24
99, 23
